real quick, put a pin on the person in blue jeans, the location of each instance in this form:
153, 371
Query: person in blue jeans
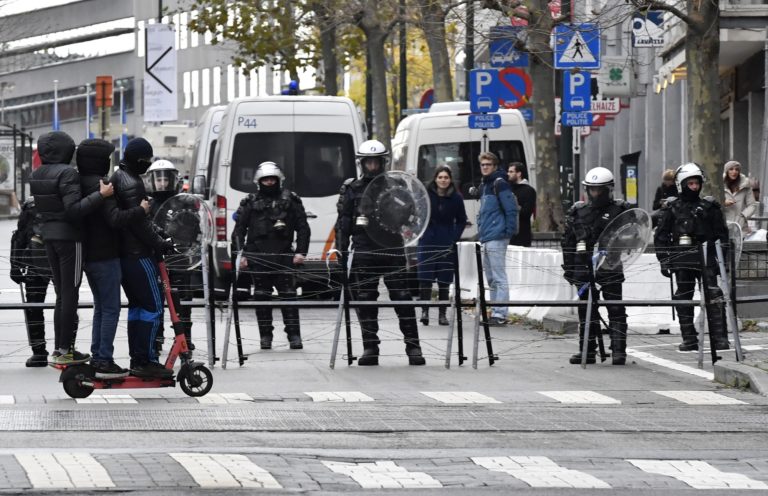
102, 254
497, 222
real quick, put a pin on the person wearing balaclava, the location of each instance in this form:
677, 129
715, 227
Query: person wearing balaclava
140, 244
61, 207
686, 222
102, 254
584, 224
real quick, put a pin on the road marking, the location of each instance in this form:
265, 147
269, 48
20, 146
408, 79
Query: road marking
698, 474
108, 398
339, 396
641, 355
216, 470
382, 475
540, 471
581, 397
7, 399
64, 470
700, 397
459, 397
224, 398
753, 347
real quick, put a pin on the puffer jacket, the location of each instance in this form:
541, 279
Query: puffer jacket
498, 216
138, 239
744, 205
56, 188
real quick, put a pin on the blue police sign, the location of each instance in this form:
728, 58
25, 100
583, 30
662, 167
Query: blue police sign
502, 49
484, 121
482, 90
577, 46
576, 119
577, 91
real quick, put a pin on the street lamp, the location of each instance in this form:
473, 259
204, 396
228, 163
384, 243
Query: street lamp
4, 86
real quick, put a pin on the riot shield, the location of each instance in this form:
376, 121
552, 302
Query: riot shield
624, 239
188, 221
736, 238
395, 209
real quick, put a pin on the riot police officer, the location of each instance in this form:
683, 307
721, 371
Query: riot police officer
371, 262
30, 267
162, 179
264, 230
685, 223
584, 225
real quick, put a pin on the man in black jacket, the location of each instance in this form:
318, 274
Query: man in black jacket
517, 173
102, 256
139, 246
56, 188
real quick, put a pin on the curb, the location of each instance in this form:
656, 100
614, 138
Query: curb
742, 376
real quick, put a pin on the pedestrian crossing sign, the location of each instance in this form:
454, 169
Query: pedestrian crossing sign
577, 46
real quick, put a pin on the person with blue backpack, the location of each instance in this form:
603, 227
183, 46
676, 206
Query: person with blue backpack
497, 222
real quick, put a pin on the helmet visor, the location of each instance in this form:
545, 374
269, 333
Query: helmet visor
162, 181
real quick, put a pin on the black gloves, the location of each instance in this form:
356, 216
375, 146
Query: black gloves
16, 275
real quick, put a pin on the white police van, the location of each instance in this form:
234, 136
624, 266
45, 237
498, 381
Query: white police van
442, 136
312, 138
206, 137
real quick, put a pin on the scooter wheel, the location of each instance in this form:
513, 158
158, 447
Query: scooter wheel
197, 382
75, 389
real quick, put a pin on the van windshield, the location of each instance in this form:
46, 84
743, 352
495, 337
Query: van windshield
462, 159
314, 164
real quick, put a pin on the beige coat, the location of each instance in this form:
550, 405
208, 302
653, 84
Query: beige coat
744, 205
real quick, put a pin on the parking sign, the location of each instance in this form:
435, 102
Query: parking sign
577, 91
482, 90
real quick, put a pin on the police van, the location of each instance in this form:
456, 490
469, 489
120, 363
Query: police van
206, 137
442, 136
312, 138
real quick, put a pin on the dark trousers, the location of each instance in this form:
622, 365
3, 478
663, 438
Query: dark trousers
617, 316
263, 282
35, 288
364, 286
686, 284
66, 259
145, 307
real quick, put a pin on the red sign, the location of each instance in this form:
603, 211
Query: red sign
104, 91
598, 120
519, 84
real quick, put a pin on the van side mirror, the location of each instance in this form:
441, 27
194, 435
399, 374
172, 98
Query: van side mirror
199, 186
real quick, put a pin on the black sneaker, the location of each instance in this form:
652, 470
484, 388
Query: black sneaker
108, 370
497, 322
152, 370
37, 360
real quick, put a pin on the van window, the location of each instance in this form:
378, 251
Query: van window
211, 156
462, 159
314, 164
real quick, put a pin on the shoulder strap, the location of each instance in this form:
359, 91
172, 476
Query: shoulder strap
496, 194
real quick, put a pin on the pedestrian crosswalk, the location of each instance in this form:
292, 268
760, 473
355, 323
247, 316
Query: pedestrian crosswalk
572, 397
72, 470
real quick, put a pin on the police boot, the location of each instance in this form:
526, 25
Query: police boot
413, 348
717, 330
37, 360
442, 296
690, 338
591, 350
266, 339
425, 294
39, 356
618, 343
370, 355
294, 341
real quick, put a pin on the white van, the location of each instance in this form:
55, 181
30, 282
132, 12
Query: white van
442, 137
206, 137
312, 138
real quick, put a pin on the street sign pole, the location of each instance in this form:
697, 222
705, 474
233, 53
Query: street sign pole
576, 136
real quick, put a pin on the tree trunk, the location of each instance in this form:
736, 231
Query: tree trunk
328, 42
370, 22
549, 204
433, 25
702, 51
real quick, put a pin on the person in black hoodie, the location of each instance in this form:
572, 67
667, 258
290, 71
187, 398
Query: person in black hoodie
61, 206
102, 256
140, 244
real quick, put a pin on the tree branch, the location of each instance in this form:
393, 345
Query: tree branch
645, 5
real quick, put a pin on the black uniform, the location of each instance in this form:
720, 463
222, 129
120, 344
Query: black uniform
370, 263
700, 219
264, 230
29, 265
585, 222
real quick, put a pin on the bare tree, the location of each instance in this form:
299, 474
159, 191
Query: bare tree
431, 19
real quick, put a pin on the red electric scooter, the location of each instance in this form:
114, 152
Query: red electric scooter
194, 378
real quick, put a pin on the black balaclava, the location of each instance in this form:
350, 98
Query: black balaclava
603, 199
137, 156
369, 175
273, 190
687, 194
93, 157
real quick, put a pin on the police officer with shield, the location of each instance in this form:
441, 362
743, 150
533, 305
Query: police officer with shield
686, 222
371, 262
30, 268
584, 224
264, 231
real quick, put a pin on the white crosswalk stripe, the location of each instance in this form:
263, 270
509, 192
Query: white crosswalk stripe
701, 398
108, 399
459, 397
224, 398
698, 474
382, 475
339, 396
581, 397
540, 471
7, 399
220, 471
64, 470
